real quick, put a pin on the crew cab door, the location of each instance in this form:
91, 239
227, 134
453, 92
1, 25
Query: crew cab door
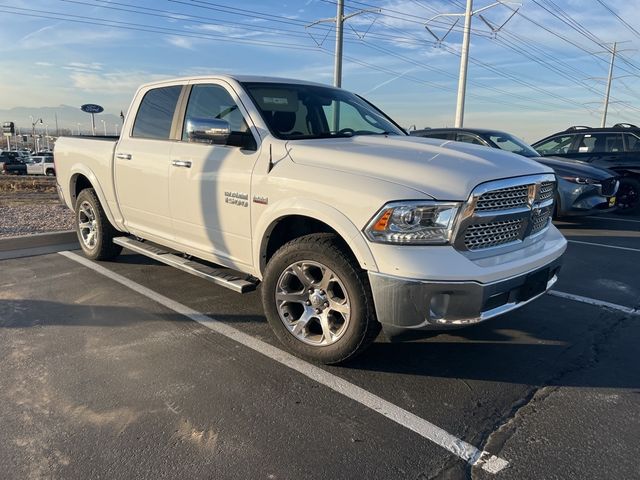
210, 185
142, 160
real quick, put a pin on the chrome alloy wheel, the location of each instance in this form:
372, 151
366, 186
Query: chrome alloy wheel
87, 225
313, 303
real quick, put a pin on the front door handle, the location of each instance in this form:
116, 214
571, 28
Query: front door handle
123, 156
181, 163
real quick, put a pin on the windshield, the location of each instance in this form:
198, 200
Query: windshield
294, 111
505, 141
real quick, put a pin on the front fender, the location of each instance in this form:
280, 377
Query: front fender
318, 211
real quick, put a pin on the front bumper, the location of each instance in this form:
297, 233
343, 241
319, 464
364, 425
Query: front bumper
578, 199
406, 304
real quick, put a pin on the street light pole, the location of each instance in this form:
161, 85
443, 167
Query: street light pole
104, 125
33, 130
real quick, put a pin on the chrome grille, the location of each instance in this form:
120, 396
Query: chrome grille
503, 199
506, 212
541, 220
546, 191
485, 235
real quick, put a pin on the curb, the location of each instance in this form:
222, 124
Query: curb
38, 244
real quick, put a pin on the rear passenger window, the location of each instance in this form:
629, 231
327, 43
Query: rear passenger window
155, 114
633, 142
440, 135
601, 143
556, 146
468, 138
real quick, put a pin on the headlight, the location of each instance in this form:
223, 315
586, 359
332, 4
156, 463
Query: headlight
414, 223
581, 180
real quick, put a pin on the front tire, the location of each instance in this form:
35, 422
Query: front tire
628, 196
95, 232
318, 300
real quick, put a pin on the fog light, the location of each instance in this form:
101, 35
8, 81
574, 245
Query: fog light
438, 306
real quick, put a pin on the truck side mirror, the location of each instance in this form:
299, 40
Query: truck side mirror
208, 130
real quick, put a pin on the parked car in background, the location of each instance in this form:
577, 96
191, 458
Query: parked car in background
12, 163
616, 148
41, 165
582, 188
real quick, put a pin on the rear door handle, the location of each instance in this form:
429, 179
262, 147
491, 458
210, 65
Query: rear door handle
123, 156
181, 163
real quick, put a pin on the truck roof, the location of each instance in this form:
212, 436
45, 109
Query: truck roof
237, 78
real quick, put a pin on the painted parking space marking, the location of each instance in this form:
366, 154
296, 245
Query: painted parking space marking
604, 245
615, 219
467, 452
594, 301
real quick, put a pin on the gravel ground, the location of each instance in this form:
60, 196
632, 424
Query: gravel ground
28, 213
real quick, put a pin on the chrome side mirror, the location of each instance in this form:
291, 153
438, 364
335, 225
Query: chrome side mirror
208, 130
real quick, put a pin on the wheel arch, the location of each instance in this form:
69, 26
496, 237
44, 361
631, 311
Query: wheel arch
292, 219
81, 178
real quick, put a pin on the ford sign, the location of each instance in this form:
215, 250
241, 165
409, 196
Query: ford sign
91, 108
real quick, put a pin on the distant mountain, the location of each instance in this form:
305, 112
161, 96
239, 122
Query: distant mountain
68, 118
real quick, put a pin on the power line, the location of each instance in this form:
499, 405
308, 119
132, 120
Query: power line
622, 20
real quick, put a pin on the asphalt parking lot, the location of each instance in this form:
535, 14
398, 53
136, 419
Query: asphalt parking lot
132, 369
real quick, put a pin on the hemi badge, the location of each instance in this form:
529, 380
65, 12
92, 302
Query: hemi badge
260, 199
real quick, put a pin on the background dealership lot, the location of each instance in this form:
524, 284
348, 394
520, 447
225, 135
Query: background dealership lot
102, 380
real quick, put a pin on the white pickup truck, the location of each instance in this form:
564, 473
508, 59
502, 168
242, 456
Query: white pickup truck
348, 223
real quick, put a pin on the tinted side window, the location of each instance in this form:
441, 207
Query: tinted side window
468, 138
214, 102
633, 142
155, 113
601, 143
556, 146
441, 135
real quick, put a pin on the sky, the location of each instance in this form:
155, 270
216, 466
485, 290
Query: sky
543, 71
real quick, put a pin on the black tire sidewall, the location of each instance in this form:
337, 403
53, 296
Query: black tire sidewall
636, 185
358, 292
104, 249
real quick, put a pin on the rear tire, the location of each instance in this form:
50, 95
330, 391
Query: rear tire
628, 196
318, 300
95, 232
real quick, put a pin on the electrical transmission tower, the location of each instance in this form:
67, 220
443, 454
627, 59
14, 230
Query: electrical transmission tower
339, 20
464, 53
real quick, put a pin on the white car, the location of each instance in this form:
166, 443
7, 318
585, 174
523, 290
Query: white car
349, 223
41, 165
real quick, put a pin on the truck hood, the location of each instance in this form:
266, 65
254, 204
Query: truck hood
442, 169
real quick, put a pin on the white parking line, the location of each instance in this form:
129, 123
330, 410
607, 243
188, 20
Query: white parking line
604, 245
422, 427
615, 219
593, 301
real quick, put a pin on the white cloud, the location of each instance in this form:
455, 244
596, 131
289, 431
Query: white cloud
57, 35
118, 83
181, 42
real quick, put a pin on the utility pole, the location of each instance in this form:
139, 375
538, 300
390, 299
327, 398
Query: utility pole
464, 63
339, 20
337, 66
464, 52
609, 80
